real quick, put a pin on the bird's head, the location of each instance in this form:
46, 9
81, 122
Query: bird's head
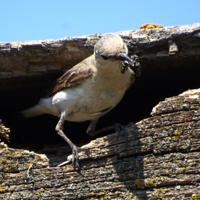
112, 48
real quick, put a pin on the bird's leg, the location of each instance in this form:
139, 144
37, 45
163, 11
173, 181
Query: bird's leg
118, 128
122, 129
94, 133
75, 149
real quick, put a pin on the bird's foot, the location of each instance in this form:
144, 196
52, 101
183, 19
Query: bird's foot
120, 129
75, 155
74, 158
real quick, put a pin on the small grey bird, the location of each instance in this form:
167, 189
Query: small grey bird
91, 88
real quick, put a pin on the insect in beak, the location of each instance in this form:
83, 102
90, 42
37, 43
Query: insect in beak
132, 63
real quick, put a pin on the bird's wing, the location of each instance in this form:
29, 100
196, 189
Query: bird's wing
72, 77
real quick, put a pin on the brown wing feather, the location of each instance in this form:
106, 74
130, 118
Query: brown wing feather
71, 78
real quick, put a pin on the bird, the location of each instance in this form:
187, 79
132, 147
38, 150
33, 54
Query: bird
90, 89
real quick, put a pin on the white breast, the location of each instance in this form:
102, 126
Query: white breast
87, 100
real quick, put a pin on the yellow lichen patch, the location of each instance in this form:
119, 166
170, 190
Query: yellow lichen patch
3, 184
138, 181
169, 138
149, 26
2, 190
37, 193
159, 191
14, 166
130, 196
92, 193
152, 181
131, 175
166, 171
171, 154
42, 189
196, 196
20, 155
163, 191
116, 192
92, 198
136, 164
176, 132
108, 197
28, 164
102, 193
3, 160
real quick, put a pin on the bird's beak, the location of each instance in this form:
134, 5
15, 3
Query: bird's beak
123, 56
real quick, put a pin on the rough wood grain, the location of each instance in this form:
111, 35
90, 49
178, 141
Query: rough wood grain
160, 161
46, 57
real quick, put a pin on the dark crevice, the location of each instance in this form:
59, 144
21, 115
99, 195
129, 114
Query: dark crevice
160, 79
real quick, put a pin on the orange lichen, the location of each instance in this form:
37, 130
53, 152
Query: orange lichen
136, 164
92, 193
131, 175
149, 26
37, 193
28, 164
176, 132
42, 189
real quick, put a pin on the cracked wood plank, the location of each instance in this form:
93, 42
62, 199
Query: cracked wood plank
161, 161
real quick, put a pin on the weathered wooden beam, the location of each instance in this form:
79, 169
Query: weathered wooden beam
50, 56
160, 161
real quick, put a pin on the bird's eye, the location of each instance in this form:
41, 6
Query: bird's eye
104, 57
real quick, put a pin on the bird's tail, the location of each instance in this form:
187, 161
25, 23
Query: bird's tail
33, 111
